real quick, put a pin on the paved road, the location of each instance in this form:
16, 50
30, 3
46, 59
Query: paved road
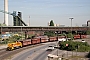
3, 46
40, 53
36, 53
80, 40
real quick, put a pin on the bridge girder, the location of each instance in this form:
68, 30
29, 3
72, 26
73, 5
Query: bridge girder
27, 28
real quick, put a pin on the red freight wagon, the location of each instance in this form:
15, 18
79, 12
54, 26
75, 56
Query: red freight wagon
55, 38
38, 39
26, 42
44, 39
35, 40
83, 36
60, 37
52, 38
78, 36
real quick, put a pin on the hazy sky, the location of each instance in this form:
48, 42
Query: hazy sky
42, 11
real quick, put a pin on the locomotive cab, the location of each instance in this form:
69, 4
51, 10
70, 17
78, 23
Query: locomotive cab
12, 46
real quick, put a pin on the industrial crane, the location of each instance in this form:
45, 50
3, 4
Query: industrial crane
14, 15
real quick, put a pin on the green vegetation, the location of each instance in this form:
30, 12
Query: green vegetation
51, 23
72, 46
16, 37
70, 36
88, 55
11, 39
88, 32
49, 33
4, 42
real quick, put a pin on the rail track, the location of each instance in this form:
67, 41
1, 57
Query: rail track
5, 55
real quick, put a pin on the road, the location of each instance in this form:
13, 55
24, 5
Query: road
80, 40
36, 53
40, 53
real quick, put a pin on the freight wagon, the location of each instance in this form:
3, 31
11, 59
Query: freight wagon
26, 42
52, 39
43, 39
79, 36
35, 40
60, 37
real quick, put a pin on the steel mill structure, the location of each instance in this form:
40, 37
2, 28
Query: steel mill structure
17, 18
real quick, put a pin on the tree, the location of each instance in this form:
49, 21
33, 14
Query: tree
72, 46
51, 23
0, 24
49, 33
88, 32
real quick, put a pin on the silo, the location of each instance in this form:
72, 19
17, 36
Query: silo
88, 23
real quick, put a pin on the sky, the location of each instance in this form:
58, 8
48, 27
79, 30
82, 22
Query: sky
43, 11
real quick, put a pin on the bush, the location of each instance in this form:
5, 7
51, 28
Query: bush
70, 36
16, 37
49, 33
88, 55
72, 46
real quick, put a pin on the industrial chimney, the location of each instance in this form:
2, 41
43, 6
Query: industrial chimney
6, 9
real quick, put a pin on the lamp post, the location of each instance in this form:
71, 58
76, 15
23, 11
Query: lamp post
71, 26
57, 41
71, 31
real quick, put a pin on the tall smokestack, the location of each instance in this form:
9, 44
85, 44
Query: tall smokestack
6, 9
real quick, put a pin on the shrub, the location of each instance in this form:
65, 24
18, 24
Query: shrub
74, 45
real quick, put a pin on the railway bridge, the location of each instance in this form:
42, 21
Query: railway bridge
30, 28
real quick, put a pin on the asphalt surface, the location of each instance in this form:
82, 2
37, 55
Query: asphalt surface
80, 40
42, 56
40, 53
36, 53
3, 46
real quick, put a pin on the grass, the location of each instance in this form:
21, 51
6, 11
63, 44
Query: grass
76, 57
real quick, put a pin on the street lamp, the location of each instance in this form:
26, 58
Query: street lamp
71, 31
57, 41
71, 26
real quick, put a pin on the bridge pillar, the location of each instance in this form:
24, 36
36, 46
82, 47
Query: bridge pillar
26, 36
